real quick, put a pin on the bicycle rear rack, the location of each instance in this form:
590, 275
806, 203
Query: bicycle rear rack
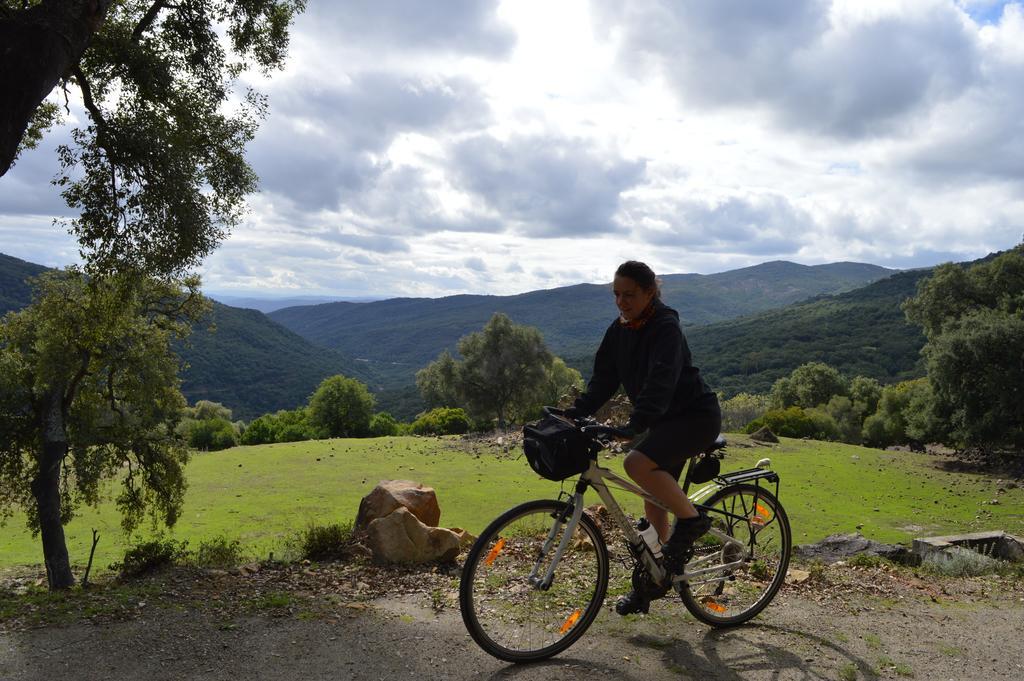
747, 475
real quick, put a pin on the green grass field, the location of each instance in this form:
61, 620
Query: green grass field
264, 495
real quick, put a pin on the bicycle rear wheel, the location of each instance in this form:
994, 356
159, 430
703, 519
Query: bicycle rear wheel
758, 524
511, 617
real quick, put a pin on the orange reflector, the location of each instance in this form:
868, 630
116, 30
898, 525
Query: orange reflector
573, 618
494, 552
757, 520
711, 604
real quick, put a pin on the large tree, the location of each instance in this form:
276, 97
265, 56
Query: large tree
973, 319
504, 369
341, 407
88, 392
157, 172
810, 385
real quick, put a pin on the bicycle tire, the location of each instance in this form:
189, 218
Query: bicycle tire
761, 523
506, 615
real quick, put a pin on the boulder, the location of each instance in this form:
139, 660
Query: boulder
466, 539
763, 434
392, 494
400, 537
838, 547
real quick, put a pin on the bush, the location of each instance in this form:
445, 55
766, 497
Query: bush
151, 555
326, 542
219, 553
441, 421
959, 562
260, 431
825, 427
847, 418
741, 409
211, 434
790, 422
383, 424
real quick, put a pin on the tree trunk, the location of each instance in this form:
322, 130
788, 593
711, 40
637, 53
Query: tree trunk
38, 47
46, 490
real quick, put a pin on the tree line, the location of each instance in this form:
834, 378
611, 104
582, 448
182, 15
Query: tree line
971, 399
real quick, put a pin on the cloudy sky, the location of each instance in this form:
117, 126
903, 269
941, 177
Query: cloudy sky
431, 148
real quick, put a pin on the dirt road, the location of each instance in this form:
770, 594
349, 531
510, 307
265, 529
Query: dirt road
879, 624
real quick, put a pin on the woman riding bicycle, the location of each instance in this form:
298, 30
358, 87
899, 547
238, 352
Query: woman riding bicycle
645, 352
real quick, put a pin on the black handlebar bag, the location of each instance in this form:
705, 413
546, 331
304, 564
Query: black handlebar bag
555, 448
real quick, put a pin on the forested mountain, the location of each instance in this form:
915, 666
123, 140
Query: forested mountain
742, 332
254, 365
248, 363
15, 292
861, 332
401, 335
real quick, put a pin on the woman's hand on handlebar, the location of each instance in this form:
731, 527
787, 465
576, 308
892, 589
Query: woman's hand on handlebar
610, 432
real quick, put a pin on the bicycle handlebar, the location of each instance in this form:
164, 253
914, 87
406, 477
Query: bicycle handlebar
608, 430
591, 429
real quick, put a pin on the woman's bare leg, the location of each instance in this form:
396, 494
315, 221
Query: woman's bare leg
663, 487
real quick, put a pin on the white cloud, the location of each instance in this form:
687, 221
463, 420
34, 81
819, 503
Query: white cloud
426, 149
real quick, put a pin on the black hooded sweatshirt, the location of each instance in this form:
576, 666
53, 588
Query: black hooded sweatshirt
653, 365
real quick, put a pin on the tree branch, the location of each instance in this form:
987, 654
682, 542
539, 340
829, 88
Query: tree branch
110, 395
83, 370
147, 20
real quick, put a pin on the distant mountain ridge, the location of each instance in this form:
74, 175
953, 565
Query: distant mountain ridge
266, 305
401, 335
249, 363
255, 363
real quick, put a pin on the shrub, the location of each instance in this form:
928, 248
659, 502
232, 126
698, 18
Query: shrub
383, 424
211, 434
441, 421
205, 409
741, 409
260, 431
847, 418
825, 427
790, 422
325, 542
959, 562
866, 560
292, 426
151, 555
219, 553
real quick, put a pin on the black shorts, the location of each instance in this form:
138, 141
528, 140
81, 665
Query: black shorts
671, 442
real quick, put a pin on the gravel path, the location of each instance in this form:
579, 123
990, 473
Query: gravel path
835, 629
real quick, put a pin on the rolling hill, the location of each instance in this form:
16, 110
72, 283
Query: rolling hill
746, 327
15, 293
860, 332
254, 365
249, 363
401, 335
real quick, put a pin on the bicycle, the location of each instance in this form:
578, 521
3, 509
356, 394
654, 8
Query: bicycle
537, 576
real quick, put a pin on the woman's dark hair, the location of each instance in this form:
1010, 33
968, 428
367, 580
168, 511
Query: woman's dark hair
641, 274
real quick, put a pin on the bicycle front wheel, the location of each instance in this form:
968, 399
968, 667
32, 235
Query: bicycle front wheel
757, 549
504, 606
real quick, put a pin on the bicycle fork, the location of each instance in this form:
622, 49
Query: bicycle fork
544, 583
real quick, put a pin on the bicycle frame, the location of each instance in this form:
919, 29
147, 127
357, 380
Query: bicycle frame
599, 478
